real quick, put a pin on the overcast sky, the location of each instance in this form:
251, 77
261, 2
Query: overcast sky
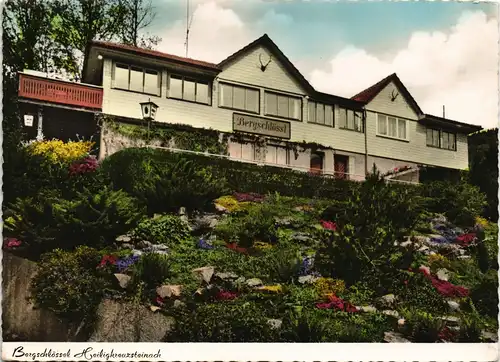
446, 53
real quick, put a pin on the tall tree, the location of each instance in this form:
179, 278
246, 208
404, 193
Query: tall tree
80, 21
483, 166
139, 14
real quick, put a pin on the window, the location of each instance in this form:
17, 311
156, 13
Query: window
321, 113
284, 106
441, 139
189, 89
277, 155
136, 79
391, 127
243, 151
349, 119
237, 97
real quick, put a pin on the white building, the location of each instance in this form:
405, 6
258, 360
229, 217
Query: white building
257, 90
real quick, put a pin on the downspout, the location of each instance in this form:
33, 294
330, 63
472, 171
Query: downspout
366, 141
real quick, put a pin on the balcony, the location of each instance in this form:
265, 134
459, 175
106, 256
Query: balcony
60, 92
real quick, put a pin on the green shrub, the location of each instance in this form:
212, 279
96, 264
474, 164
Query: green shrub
164, 229
47, 221
163, 181
152, 270
459, 202
69, 284
422, 327
228, 321
485, 295
137, 168
284, 265
361, 248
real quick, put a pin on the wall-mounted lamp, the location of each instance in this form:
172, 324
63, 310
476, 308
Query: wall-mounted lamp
149, 112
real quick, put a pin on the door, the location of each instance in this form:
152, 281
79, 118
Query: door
316, 166
341, 166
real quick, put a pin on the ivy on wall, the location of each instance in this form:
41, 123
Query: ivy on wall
179, 135
199, 139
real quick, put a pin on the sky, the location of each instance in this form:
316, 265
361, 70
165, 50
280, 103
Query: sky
446, 53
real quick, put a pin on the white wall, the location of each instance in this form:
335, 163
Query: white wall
415, 149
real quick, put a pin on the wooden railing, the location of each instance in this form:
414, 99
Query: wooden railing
56, 91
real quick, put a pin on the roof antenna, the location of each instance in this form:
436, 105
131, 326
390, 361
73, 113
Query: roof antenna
189, 21
443, 112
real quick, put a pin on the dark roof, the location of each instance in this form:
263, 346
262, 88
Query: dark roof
369, 93
155, 54
431, 120
266, 42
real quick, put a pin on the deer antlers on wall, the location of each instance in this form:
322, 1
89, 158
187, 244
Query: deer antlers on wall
262, 65
394, 95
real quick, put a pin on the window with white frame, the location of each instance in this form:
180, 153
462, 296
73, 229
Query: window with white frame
136, 79
320, 113
284, 106
393, 127
243, 151
279, 155
239, 97
441, 139
189, 89
352, 120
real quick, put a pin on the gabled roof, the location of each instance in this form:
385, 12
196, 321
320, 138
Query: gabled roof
154, 54
369, 93
266, 42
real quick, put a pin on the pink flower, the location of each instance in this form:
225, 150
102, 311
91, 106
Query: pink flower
11, 242
329, 225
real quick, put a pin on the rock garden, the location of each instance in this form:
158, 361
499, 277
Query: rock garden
251, 254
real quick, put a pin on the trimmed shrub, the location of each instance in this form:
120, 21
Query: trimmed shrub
163, 181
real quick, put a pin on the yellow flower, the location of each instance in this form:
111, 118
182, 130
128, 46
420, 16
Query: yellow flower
482, 221
230, 203
328, 286
271, 288
259, 245
57, 151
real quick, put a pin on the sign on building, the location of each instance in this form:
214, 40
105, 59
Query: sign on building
261, 126
28, 120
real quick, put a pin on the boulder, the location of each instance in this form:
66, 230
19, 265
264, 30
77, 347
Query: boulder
302, 237
368, 309
204, 274
183, 215
144, 244
394, 337
388, 300
450, 320
204, 221
254, 282
391, 313
443, 274
129, 322
275, 323
489, 337
178, 303
125, 246
454, 306
221, 208
401, 322
284, 221
307, 279
226, 276
123, 279
123, 239
168, 291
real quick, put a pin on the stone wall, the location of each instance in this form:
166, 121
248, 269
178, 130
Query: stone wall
116, 321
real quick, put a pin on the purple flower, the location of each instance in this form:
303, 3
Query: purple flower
202, 244
124, 263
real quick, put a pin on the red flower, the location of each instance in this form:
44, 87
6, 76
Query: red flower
337, 303
159, 300
235, 247
329, 225
445, 288
111, 259
466, 239
223, 295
